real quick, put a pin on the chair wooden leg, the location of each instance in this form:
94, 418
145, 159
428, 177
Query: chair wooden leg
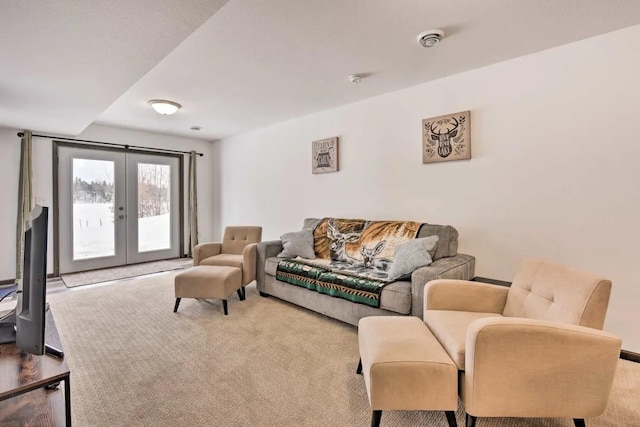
359, 370
175, 308
451, 418
375, 418
239, 291
224, 306
471, 421
579, 422
244, 293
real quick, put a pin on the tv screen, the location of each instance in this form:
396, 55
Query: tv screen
30, 310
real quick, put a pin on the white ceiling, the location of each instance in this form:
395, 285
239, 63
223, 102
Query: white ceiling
257, 62
63, 62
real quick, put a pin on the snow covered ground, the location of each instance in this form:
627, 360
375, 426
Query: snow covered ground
154, 233
94, 232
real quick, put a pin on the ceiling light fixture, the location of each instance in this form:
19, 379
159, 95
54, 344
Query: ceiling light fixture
162, 106
430, 38
195, 127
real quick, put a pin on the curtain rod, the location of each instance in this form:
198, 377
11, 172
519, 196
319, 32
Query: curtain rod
125, 146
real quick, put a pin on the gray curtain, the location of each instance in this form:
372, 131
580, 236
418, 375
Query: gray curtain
25, 198
193, 203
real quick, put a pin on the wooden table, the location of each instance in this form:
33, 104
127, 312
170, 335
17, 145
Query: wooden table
24, 378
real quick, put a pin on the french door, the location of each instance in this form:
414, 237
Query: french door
116, 208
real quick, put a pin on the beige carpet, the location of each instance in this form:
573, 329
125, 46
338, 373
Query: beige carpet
135, 363
72, 280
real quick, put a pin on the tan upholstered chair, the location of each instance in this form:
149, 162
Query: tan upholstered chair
237, 249
534, 349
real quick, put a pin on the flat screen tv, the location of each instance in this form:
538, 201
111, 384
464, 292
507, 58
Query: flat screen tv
30, 311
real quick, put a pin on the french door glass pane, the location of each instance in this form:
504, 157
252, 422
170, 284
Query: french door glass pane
93, 209
154, 207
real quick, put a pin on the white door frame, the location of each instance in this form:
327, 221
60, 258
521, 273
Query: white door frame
63, 224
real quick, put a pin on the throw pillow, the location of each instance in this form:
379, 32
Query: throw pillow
412, 255
297, 243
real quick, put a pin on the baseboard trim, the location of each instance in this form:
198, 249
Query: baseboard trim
491, 281
13, 281
630, 355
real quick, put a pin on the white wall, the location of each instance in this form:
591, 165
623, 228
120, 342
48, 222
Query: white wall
554, 172
43, 180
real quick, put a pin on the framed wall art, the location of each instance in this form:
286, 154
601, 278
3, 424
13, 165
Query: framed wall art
446, 138
324, 155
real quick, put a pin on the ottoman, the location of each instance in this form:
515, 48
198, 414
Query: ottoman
405, 367
209, 281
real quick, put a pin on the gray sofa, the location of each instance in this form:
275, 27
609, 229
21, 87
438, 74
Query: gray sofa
397, 298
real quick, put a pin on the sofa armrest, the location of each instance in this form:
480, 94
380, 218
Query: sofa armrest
265, 250
517, 367
463, 295
460, 267
249, 260
205, 250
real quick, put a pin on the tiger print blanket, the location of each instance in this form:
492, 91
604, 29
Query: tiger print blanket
370, 244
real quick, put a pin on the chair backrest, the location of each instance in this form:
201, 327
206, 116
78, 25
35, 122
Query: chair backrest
548, 291
237, 237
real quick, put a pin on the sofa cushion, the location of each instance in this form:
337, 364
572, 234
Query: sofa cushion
310, 223
297, 243
394, 297
450, 327
412, 255
447, 239
229, 260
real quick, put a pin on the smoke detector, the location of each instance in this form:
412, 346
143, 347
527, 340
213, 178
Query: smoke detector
430, 38
356, 78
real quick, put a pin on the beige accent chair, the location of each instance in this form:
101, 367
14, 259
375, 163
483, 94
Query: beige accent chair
237, 249
534, 349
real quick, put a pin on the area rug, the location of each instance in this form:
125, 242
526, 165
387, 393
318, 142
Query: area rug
72, 280
268, 363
